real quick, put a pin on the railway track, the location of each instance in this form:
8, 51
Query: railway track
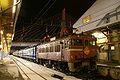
33, 71
27, 71
43, 73
36, 73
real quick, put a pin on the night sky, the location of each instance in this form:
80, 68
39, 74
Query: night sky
33, 10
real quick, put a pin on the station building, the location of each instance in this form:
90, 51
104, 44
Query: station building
102, 20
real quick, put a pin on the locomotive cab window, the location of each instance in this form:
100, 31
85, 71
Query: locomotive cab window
77, 42
90, 43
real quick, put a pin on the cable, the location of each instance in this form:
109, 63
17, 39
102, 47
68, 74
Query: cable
38, 15
41, 10
42, 15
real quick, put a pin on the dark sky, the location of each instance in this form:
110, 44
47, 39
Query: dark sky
33, 10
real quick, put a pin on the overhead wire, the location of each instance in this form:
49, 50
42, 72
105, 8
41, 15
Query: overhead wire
27, 28
38, 14
33, 33
51, 28
41, 11
40, 17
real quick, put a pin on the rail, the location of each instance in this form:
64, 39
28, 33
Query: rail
34, 72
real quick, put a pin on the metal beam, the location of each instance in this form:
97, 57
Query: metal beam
24, 43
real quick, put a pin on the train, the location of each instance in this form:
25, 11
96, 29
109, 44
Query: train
72, 53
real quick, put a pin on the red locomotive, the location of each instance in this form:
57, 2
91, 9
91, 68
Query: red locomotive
71, 53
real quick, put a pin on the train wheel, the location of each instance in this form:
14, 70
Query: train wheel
49, 63
41, 61
64, 67
36, 60
54, 65
58, 63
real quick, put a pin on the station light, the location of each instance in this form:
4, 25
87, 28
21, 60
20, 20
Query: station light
4, 40
0, 46
1, 32
9, 34
86, 19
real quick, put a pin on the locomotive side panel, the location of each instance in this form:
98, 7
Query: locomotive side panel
50, 51
41, 53
56, 54
76, 53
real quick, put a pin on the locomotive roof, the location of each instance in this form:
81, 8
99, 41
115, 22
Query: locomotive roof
73, 36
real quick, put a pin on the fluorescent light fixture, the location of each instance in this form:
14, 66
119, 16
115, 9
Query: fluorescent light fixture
1, 32
0, 46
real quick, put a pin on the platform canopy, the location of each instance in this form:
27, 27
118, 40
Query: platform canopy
101, 13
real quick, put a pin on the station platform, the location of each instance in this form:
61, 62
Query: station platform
8, 70
14, 68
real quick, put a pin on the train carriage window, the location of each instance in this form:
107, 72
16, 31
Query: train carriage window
55, 48
47, 49
58, 48
43, 49
51, 49
39, 50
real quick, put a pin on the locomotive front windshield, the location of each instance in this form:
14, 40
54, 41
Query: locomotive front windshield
76, 42
80, 42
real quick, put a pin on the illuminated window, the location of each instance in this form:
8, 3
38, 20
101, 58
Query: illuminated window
86, 19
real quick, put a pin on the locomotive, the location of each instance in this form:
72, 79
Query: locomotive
72, 53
